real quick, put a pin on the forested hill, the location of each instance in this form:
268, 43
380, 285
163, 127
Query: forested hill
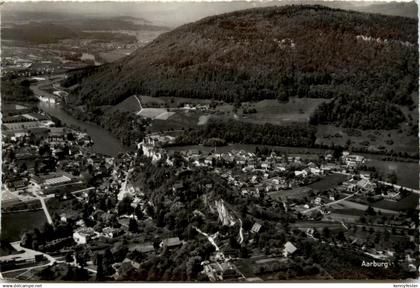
275, 52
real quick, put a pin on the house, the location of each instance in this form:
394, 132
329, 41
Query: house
254, 179
143, 248
328, 157
177, 187
281, 167
240, 160
391, 195
352, 160
315, 170
289, 249
330, 167
56, 134
110, 232
219, 271
83, 235
131, 263
16, 185
365, 175
63, 218
171, 242
251, 164
256, 228
317, 201
310, 232
302, 173
208, 160
265, 165
50, 180
366, 185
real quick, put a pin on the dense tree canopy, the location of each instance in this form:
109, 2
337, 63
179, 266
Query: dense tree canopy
248, 133
276, 52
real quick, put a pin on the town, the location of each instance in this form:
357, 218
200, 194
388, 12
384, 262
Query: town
209, 142
248, 215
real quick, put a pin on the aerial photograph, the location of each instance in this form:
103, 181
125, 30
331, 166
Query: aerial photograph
243, 141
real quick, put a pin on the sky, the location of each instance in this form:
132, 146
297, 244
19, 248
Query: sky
172, 14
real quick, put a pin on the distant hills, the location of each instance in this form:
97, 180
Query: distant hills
53, 30
359, 59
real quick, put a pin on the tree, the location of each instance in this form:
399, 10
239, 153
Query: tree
193, 267
81, 258
108, 260
326, 232
138, 212
244, 252
370, 211
100, 269
124, 206
48, 231
69, 257
133, 226
27, 240
340, 236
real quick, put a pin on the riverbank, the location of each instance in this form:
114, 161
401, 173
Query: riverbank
104, 142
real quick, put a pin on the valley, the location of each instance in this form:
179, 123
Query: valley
266, 144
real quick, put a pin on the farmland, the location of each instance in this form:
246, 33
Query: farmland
371, 140
409, 202
128, 105
328, 182
278, 113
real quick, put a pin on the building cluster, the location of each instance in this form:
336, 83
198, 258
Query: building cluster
39, 158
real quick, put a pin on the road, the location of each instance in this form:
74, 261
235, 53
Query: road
30, 254
329, 204
210, 238
123, 189
82, 190
45, 208
241, 235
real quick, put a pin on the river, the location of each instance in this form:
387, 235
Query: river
104, 142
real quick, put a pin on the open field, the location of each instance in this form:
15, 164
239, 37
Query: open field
177, 121
368, 236
359, 206
268, 111
152, 112
128, 105
328, 182
409, 202
275, 112
370, 139
341, 217
296, 193
407, 172
317, 225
